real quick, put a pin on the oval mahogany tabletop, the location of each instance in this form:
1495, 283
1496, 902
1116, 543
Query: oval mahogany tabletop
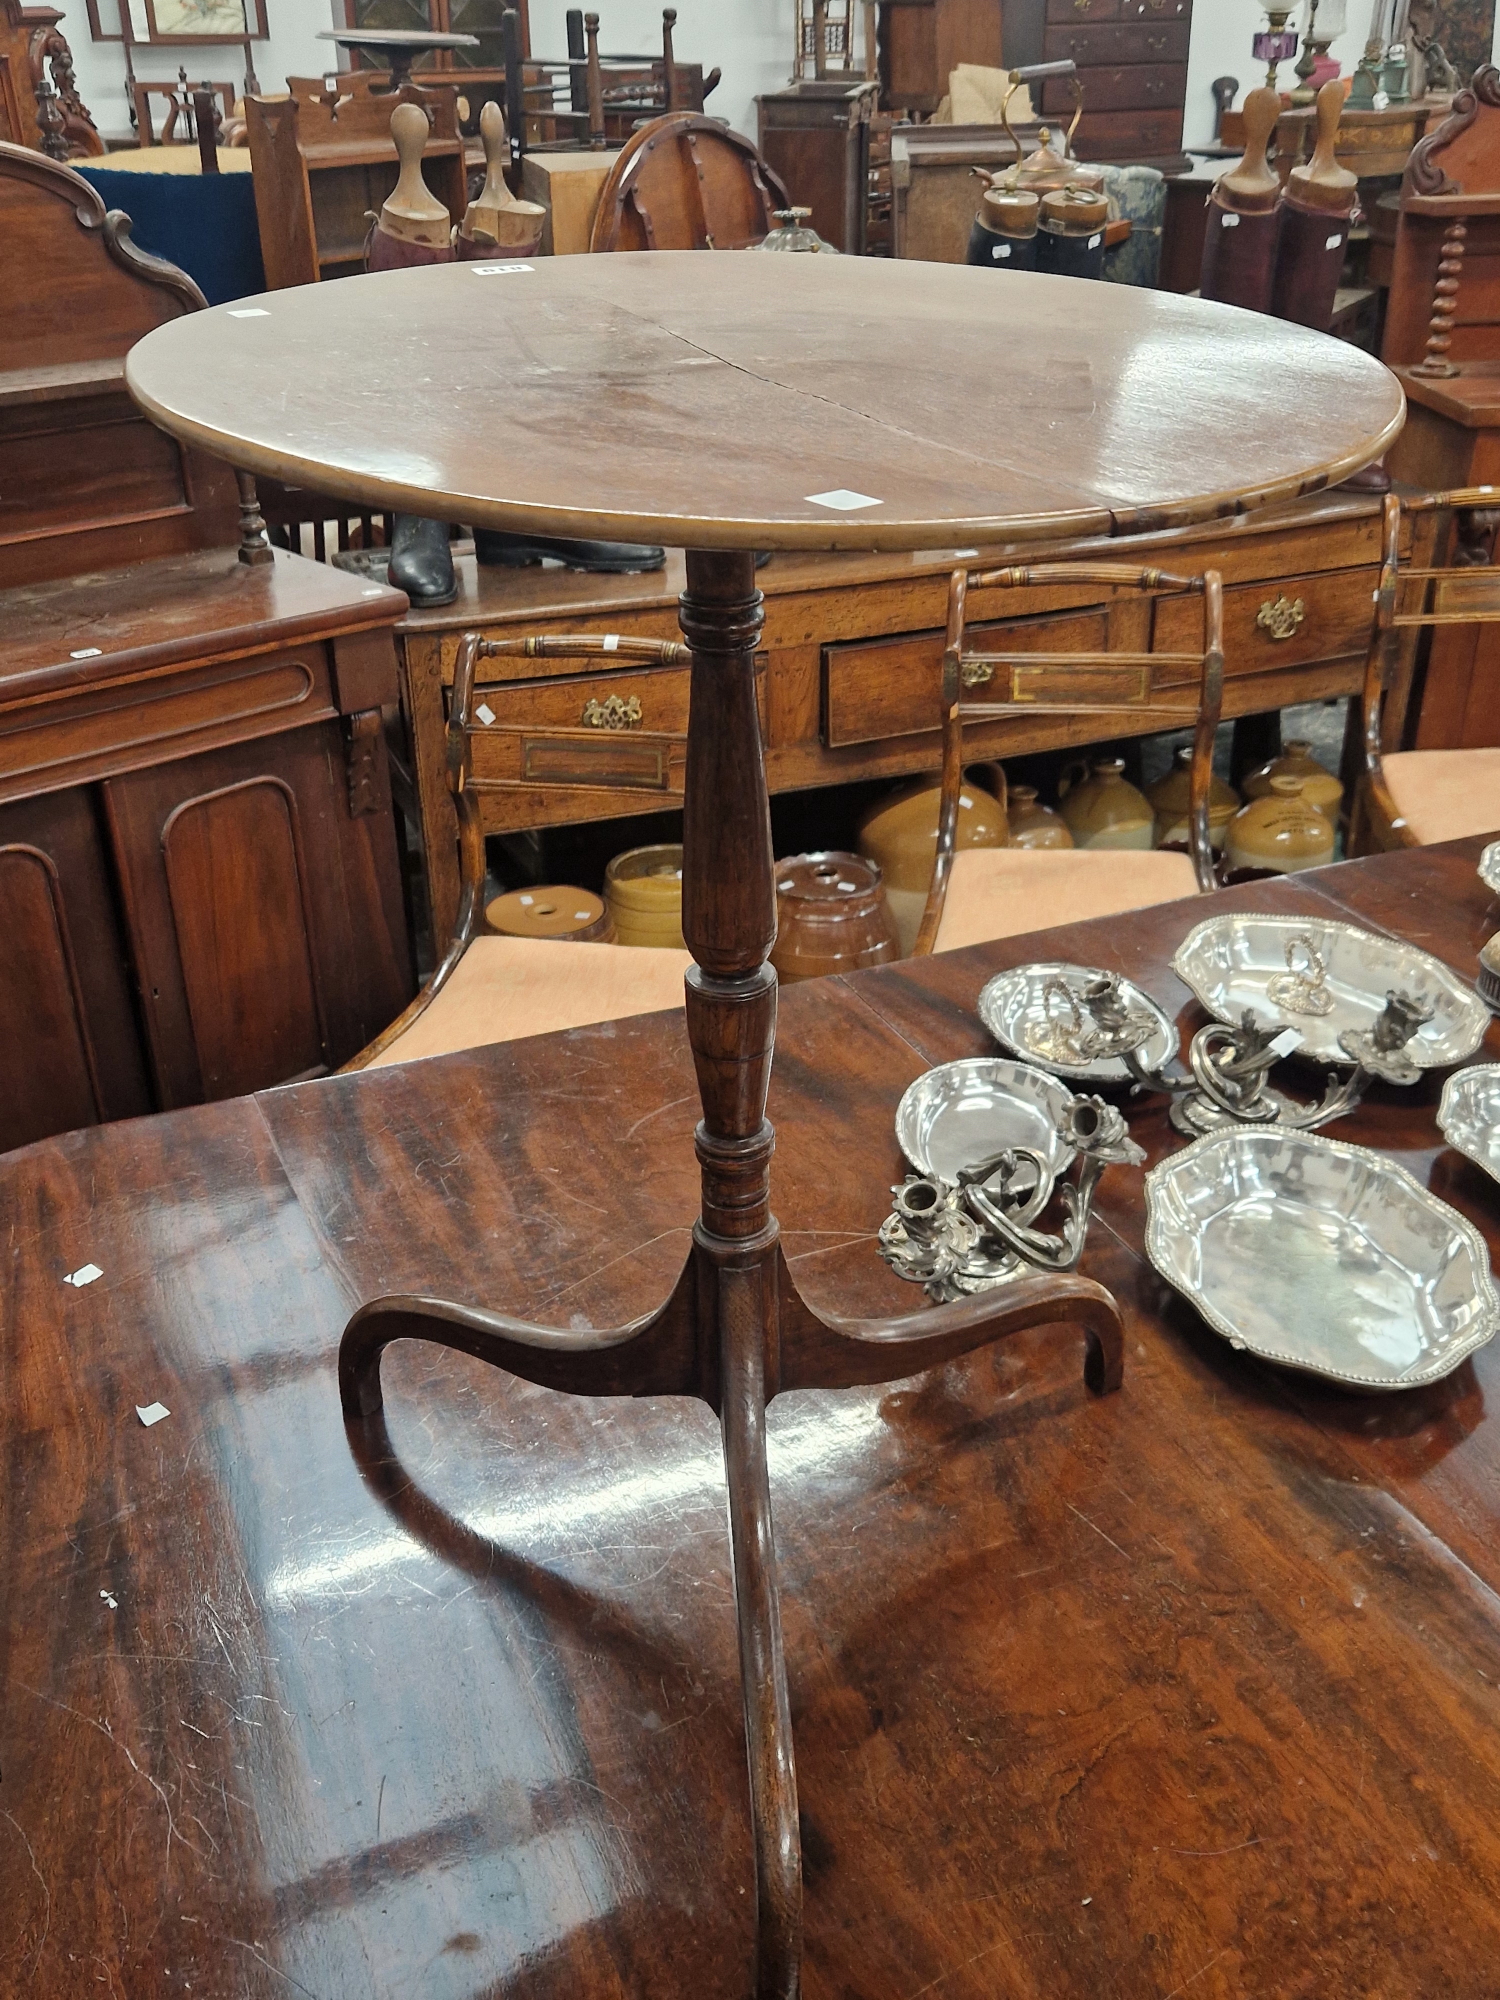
789, 402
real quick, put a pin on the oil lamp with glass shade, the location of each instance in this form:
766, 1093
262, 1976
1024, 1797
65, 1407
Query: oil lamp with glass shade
1276, 44
1325, 21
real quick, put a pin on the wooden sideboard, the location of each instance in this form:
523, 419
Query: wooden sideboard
852, 650
198, 871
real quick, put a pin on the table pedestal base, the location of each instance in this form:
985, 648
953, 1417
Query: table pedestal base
735, 1331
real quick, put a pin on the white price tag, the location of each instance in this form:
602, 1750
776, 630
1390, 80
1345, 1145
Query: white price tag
843, 500
1229, 222
501, 270
1285, 1042
248, 312
485, 713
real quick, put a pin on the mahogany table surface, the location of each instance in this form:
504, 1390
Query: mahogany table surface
738, 402
1191, 1689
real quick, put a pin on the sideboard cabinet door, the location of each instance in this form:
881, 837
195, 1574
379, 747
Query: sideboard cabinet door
71, 1045
265, 916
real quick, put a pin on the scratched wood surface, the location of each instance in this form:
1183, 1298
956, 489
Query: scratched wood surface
1189, 1690
751, 402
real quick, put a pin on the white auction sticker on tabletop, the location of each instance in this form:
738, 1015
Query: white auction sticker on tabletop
844, 499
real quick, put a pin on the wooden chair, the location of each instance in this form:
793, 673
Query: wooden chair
1413, 798
685, 182
500, 989
982, 893
177, 103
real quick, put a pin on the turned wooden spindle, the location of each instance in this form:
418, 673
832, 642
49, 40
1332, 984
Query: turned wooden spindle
495, 219
1445, 302
1321, 198
595, 82
255, 542
1244, 216
669, 61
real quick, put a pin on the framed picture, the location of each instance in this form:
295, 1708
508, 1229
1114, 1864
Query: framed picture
179, 23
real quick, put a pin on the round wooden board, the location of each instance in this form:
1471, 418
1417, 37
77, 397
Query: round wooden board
740, 400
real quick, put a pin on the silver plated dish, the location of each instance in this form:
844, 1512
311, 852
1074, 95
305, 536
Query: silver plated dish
1489, 867
963, 1113
1021, 1010
1469, 1115
1321, 1256
1232, 962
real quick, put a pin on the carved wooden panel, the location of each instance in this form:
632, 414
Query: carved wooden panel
70, 1043
266, 922
48, 1080
237, 880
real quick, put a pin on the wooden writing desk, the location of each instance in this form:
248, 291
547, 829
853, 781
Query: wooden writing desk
851, 662
1194, 1683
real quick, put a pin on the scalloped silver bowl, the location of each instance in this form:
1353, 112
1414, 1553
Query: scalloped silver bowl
1321, 1256
1469, 1115
1229, 961
963, 1112
1012, 1004
1489, 867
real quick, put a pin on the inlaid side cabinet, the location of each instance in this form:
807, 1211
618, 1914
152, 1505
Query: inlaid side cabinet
199, 885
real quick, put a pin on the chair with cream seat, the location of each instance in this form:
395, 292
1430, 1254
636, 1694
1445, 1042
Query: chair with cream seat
1414, 798
980, 893
500, 989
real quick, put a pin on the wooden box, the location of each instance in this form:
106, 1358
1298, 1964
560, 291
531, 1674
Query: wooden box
567, 185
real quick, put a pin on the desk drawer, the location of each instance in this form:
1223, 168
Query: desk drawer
1165, 43
1290, 621
623, 730
893, 687
1137, 86
116, 726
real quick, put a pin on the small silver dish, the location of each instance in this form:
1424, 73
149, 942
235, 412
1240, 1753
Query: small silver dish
1021, 1014
1231, 962
1489, 867
963, 1113
1469, 1115
1320, 1256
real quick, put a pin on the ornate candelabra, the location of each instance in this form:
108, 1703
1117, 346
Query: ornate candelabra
963, 1236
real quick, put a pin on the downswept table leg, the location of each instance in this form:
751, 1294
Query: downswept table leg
735, 1330
729, 923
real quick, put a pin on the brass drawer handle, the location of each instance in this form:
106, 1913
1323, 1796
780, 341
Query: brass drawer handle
1280, 616
612, 713
975, 673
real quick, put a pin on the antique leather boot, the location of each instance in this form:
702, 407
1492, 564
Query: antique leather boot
422, 561
507, 551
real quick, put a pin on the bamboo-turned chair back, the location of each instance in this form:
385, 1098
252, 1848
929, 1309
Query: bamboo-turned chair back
1411, 597
469, 717
1169, 689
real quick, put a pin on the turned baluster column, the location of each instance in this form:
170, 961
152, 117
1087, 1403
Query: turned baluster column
729, 922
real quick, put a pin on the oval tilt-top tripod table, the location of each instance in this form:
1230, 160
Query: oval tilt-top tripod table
729, 404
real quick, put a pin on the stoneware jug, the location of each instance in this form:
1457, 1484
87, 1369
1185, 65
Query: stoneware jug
1281, 831
1319, 786
1103, 810
830, 916
1034, 825
899, 834
1171, 797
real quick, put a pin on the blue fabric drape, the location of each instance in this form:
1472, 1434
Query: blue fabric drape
203, 223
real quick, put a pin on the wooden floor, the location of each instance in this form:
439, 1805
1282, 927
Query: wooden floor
1188, 1691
